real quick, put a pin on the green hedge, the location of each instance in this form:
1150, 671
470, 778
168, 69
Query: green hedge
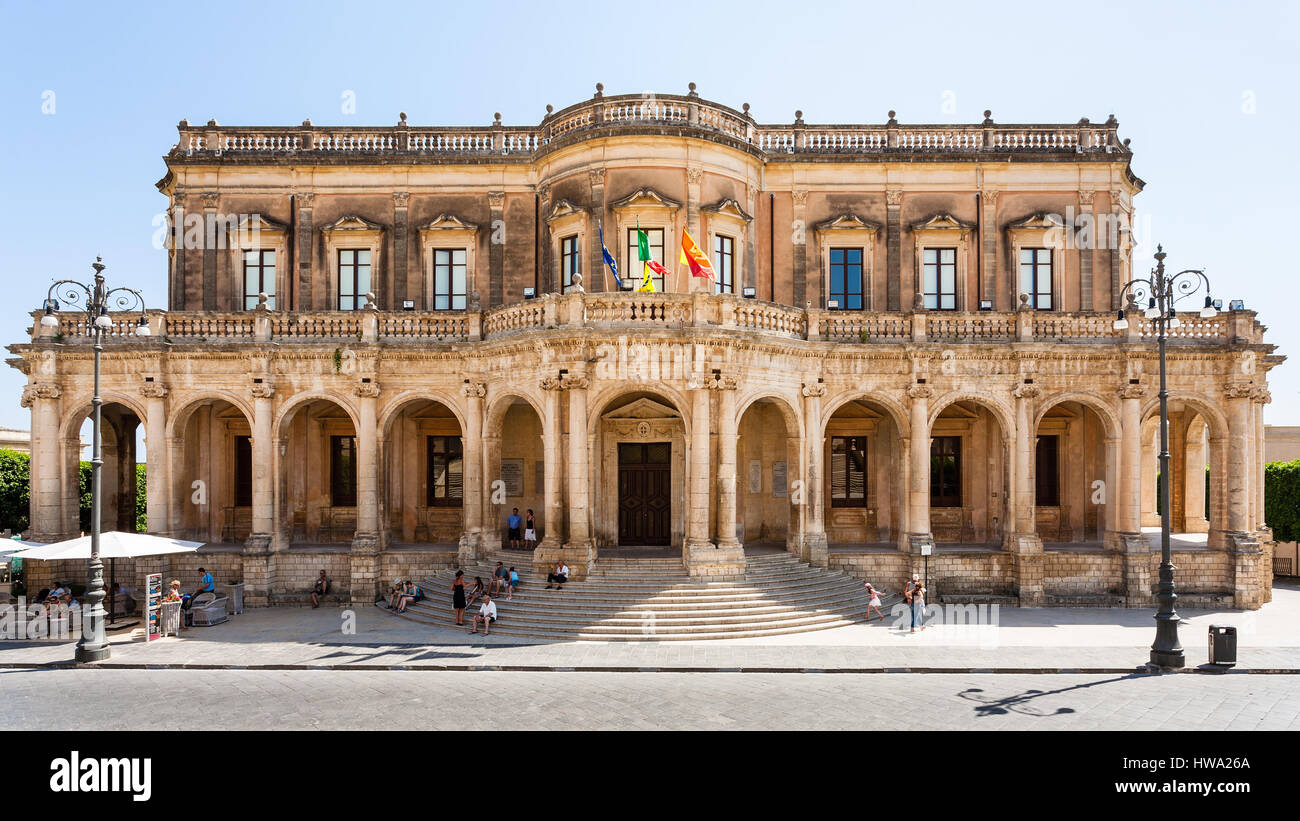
15, 469
1282, 500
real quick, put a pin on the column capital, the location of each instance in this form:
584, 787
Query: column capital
368, 390
401, 199
40, 390
1239, 390
920, 392
596, 176
154, 390
261, 390
1261, 396
894, 197
496, 199
813, 389
694, 175
1026, 391
800, 196
1132, 391
474, 390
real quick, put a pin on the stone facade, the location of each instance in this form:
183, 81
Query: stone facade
914, 347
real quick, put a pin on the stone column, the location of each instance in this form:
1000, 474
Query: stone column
595, 262
1239, 467
693, 178
496, 250
702, 556
989, 243
894, 257
1178, 471
406, 283
180, 483
1147, 485
727, 436
1128, 496
258, 555
1260, 398
918, 474
799, 263
46, 481
303, 248
814, 550
155, 435
365, 542
493, 516
1085, 250
1025, 543
210, 229
553, 520
472, 481
1194, 460
1244, 546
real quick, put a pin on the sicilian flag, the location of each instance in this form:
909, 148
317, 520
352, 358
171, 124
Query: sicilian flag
609, 259
647, 264
692, 255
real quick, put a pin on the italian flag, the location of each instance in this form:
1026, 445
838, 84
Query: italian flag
647, 264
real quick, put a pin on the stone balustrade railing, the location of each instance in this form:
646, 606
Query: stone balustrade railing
624, 311
642, 111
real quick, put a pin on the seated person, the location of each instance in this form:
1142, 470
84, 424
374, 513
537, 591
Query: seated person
206, 585
174, 592
57, 592
559, 577
319, 588
411, 592
500, 578
399, 588
476, 592
487, 613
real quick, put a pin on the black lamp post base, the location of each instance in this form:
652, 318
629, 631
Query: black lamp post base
89, 655
1174, 660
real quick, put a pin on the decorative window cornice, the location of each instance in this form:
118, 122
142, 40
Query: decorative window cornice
646, 197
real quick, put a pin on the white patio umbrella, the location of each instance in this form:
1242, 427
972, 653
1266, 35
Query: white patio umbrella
113, 545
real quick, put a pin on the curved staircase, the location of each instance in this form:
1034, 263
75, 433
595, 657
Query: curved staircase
656, 600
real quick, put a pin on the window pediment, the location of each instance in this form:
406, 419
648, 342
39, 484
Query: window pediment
1040, 221
727, 207
352, 224
450, 222
847, 222
646, 197
563, 209
943, 222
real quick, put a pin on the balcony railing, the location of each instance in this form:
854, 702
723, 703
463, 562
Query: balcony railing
640, 112
692, 313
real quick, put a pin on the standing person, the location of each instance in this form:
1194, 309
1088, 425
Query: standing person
875, 602
458, 597
918, 603
530, 532
487, 613
559, 577
514, 522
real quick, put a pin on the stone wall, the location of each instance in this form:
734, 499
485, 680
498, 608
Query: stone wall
1072, 574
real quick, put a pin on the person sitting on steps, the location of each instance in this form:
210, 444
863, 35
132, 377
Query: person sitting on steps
487, 613
320, 588
559, 577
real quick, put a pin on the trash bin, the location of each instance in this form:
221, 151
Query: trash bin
1223, 645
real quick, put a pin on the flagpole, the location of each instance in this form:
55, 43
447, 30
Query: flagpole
604, 275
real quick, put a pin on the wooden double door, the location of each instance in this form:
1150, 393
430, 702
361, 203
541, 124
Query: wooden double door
644, 485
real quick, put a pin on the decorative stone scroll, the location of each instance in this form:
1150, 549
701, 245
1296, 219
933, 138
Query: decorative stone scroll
153, 390
40, 391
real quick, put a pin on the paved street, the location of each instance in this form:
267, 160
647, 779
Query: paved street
304, 699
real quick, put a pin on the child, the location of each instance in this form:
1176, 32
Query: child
514, 582
476, 593
875, 601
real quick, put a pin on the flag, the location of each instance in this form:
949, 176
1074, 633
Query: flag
609, 259
647, 264
647, 284
692, 255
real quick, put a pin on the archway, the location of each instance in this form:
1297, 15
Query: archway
638, 473
767, 464
971, 454
122, 449
865, 469
514, 468
317, 479
1075, 473
1198, 476
211, 458
422, 495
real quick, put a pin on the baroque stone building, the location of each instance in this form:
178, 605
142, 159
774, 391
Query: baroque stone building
378, 341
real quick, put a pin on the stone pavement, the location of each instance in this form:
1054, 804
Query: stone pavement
369, 700
1023, 640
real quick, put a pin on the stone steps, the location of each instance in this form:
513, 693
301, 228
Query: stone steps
657, 600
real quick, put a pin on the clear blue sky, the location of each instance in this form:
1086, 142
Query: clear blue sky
1207, 92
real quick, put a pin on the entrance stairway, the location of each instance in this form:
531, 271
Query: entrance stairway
654, 599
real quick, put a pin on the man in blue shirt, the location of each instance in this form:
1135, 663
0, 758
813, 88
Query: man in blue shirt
515, 522
206, 585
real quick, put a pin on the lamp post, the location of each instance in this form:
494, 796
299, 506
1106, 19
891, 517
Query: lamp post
93, 301
1161, 291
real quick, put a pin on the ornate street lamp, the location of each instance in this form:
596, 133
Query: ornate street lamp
1160, 292
94, 302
